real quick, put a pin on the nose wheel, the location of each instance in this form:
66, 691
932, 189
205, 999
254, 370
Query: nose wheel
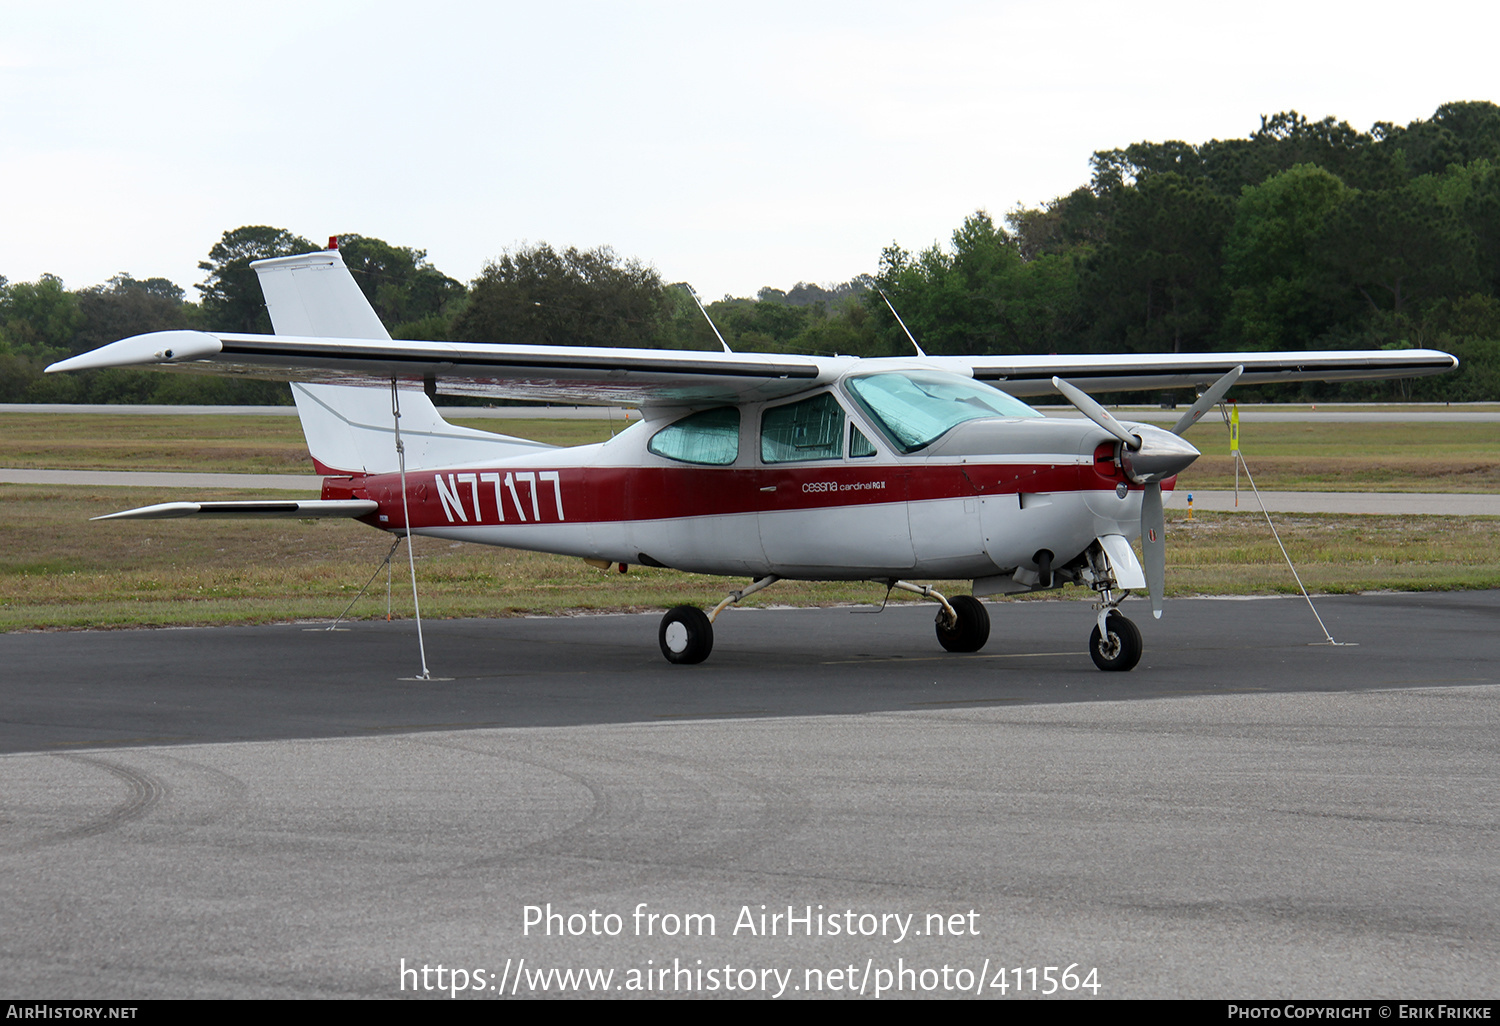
1118, 647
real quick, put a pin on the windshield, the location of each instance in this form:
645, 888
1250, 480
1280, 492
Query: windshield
916, 407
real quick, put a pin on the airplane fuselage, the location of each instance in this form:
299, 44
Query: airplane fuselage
981, 501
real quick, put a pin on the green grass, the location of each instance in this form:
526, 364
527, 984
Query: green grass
1235, 553
1341, 457
1283, 457
59, 570
222, 444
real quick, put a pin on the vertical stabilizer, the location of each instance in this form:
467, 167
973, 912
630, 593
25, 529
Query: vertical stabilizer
349, 428
314, 294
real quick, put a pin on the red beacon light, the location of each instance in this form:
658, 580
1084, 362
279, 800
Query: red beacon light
333, 242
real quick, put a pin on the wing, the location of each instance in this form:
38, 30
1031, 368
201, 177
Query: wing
653, 377
1032, 375
632, 377
327, 333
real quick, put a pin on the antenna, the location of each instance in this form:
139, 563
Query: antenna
901, 322
707, 318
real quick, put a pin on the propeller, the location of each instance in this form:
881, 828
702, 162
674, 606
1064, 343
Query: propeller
1207, 400
1154, 545
1096, 413
1149, 457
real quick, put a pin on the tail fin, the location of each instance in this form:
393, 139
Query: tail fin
350, 429
314, 294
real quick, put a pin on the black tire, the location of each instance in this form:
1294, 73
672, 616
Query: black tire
972, 629
1123, 649
686, 635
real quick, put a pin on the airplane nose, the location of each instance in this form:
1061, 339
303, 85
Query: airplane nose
1161, 455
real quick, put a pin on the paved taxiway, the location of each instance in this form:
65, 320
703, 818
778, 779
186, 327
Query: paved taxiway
270, 811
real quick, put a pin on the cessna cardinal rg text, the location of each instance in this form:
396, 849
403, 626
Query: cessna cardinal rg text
760, 466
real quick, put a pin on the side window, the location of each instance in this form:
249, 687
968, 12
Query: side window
859, 445
711, 437
810, 430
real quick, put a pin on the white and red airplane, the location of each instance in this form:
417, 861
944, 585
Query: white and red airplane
769, 467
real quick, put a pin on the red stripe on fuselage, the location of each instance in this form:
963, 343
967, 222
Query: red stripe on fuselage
510, 496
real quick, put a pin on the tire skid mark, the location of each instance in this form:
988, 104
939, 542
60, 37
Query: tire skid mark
234, 792
145, 792
783, 809
612, 808
603, 835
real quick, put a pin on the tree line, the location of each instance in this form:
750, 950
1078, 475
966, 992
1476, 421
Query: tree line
1303, 235
41, 321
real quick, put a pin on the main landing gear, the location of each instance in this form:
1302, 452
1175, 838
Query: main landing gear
963, 624
686, 634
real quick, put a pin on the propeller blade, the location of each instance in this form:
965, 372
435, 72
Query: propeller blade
1154, 545
1206, 401
1096, 413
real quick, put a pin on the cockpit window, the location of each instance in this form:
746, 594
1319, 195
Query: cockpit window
810, 430
915, 408
711, 437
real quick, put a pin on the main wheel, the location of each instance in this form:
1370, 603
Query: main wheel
686, 635
1121, 650
972, 629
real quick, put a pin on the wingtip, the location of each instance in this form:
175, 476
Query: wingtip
160, 511
157, 347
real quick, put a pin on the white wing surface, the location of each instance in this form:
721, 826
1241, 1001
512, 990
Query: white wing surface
328, 334
655, 377
558, 373
1032, 375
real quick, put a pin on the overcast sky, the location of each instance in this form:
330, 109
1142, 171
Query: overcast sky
729, 145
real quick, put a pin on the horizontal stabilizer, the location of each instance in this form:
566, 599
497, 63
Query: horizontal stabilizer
352, 431
305, 509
